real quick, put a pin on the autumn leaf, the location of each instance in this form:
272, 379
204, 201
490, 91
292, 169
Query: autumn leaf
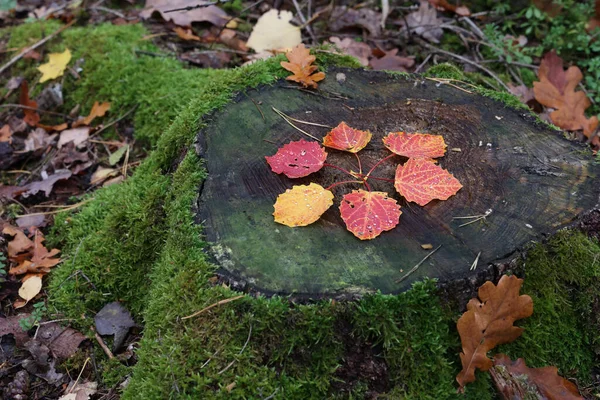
6, 134
420, 180
556, 89
298, 159
445, 5
56, 66
546, 380
31, 116
416, 145
368, 214
302, 205
41, 259
274, 31
98, 110
345, 138
19, 244
186, 33
299, 64
29, 289
488, 322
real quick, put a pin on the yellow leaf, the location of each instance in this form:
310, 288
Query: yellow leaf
30, 288
274, 31
56, 66
302, 205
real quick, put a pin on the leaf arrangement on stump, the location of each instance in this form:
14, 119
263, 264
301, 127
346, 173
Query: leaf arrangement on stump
366, 213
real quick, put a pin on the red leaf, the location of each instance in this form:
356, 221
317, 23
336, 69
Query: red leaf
298, 159
421, 181
367, 214
416, 145
345, 138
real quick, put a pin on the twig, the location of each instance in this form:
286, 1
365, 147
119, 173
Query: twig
35, 46
111, 11
282, 115
477, 217
474, 265
303, 122
413, 269
218, 303
116, 120
243, 348
79, 376
190, 8
465, 60
251, 6
449, 83
423, 63
209, 359
69, 208
256, 105
107, 351
36, 109
304, 22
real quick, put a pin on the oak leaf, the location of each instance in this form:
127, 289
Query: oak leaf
300, 63
546, 380
421, 180
298, 159
56, 66
488, 322
415, 145
368, 214
19, 244
41, 259
302, 205
345, 138
556, 89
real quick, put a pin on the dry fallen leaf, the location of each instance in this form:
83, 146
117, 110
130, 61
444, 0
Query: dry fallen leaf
186, 33
77, 136
47, 184
556, 89
31, 115
273, 31
424, 22
343, 17
392, 62
211, 14
360, 50
488, 322
6, 134
19, 244
101, 174
445, 5
98, 110
38, 139
56, 66
41, 259
30, 288
546, 380
300, 64
302, 205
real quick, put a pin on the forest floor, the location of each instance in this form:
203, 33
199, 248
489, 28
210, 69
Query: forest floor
74, 123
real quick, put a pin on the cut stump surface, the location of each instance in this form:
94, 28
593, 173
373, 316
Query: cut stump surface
533, 179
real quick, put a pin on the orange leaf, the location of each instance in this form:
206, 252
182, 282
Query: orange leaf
98, 110
31, 116
302, 205
19, 244
416, 145
299, 64
6, 134
488, 322
420, 180
556, 89
345, 138
547, 381
41, 261
186, 34
443, 4
368, 214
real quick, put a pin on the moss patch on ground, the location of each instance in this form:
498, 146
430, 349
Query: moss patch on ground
137, 243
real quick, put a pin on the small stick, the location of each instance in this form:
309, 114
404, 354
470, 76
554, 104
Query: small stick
35, 46
304, 22
244, 347
80, 372
65, 116
69, 208
107, 351
448, 82
218, 303
190, 8
413, 269
110, 11
301, 121
474, 265
257, 107
282, 115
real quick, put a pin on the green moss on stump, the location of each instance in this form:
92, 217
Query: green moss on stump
137, 243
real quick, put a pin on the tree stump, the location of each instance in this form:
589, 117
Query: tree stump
532, 179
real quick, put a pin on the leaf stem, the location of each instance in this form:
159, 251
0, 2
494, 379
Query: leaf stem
342, 183
340, 169
359, 164
378, 164
379, 179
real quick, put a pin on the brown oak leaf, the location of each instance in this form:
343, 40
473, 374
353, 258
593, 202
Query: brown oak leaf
41, 259
488, 322
299, 63
556, 89
522, 379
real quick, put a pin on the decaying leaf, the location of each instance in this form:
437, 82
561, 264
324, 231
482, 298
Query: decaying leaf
19, 244
392, 62
114, 319
345, 138
302, 205
56, 66
541, 381
300, 64
368, 214
101, 174
41, 259
80, 391
6, 134
211, 13
98, 110
556, 89
445, 5
77, 136
274, 31
47, 184
186, 33
31, 116
420, 180
298, 159
62, 342
488, 322
360, 50
38, 139
415, 145
30, 288
424, 22
343, 17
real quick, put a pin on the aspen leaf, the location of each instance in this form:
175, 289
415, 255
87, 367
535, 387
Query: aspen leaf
416, 145
300, 63
30, 288
368, 214
298, 159
56, 66
273, 31
345, 138
488, 322
420, 180
302, 205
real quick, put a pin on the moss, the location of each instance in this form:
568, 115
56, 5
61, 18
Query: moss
113, 373
446, 71
137, 243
